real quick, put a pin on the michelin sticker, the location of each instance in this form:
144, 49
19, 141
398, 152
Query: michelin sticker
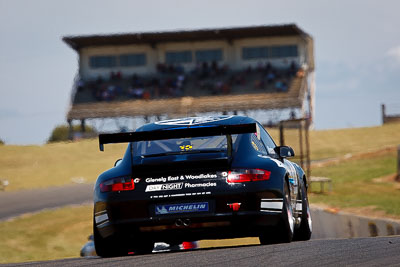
179, 208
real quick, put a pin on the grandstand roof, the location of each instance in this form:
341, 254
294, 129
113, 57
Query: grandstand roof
152, 38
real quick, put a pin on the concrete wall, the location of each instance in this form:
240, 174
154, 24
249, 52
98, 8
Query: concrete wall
331, 224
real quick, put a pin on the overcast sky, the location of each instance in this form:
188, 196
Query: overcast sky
357, 52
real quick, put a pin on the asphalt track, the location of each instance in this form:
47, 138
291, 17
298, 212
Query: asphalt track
26, 201
373, 251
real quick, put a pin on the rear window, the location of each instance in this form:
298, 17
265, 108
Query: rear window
182, 146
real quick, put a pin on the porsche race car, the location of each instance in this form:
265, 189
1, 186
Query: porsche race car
198, 178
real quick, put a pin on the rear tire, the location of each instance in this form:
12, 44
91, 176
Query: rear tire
116, 247
283, 233
107, 247
304, 231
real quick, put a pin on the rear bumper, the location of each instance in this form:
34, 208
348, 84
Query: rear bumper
190, 228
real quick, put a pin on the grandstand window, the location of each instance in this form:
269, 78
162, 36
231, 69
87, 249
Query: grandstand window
283, 51
132, 60
102, 61
208, 55
255, 52
178, 57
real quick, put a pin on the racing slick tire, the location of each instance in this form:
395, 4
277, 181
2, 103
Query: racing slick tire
107, 247
283, 233
115, 247
304, 231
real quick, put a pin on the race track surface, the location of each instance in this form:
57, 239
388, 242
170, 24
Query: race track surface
20, 202
374, 251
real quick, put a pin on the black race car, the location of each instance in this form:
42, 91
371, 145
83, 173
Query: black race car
199, 178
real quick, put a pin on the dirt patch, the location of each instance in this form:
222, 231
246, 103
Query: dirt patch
386, 179
349, 156
369, 211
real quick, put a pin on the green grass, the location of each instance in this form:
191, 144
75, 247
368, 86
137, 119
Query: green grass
354, 184
61, 233
46, 235
56, 164
27, 167
333, 143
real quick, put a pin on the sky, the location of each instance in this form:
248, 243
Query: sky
357, 52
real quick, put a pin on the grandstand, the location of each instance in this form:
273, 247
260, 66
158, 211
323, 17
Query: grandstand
190, 72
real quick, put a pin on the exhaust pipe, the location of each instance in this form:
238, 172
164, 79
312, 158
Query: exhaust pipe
186, 222
178, 222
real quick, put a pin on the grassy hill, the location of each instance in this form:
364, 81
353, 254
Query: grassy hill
362, 184
27, 167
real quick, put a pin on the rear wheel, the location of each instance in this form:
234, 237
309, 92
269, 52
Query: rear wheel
107, 247
305, 229
283, 233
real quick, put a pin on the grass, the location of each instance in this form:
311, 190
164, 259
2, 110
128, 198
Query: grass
61, 233
27, 167
46, 235
334, 143
355, 184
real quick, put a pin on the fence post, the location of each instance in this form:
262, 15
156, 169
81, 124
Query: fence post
281, 134
383, 109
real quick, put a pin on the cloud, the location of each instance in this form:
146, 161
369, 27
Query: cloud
394, 53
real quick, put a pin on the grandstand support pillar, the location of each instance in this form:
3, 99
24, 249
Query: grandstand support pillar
281, 134
307, 139
311, 101
383, 108
83, 126
301, 127
70, 130
398, 164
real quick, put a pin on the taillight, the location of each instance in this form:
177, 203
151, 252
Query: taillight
247, 175
117, 184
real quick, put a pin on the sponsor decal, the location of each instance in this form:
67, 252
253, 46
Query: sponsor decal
279, 163
101, 218
136, 180
193, 120
274, 205
181, 178
179, 208
163, 187
186, 148
201, 176
181, 195
254, 145
209, 184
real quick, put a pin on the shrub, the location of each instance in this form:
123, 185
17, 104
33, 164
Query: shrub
60, 133
1, 142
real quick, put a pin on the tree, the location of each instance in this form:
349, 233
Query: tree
60, 132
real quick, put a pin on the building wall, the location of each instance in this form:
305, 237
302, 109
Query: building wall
239, 63
231, 51
89, 73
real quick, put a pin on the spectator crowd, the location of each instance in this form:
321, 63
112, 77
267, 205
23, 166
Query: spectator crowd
171, 81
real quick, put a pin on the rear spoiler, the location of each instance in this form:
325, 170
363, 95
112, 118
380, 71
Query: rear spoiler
176, 133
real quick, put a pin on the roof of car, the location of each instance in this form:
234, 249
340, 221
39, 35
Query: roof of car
191, 122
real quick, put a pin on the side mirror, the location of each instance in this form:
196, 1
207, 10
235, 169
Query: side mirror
284, 151
117, 162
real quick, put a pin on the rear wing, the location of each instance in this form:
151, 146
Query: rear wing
169, 133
